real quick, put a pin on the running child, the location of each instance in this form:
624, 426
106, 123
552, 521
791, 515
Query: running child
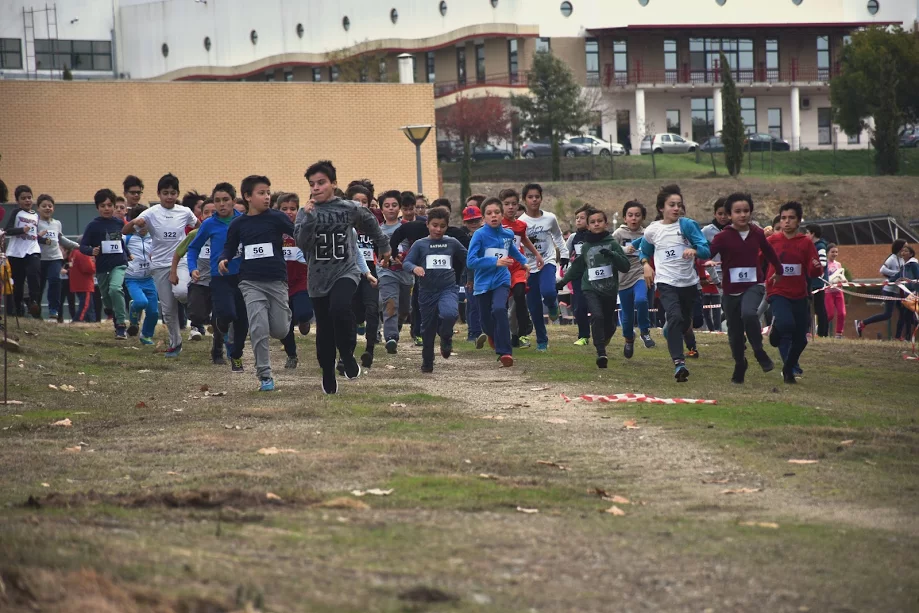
546, 235
815, 233
491, 252
262, 272
893, 269
742, 246
82, 280
789, 294
575, 244
167, 222
133, 190
472, 221
433, 260
24, 254
835, 299
139, 281
102, 238
711, 291
326, 236
598, 266
366, 302
673, 243
633, 291
510, 204
395, 282
298, 298
51, 238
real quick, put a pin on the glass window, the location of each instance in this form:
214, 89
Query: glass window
772, 60
429, 61
73, 54
317, 75
703, 118
512, 60
824, 127
461, 65
775, 122
670, 61
269, 76
854, 139
673, 121
748, 114
10, 53
543, 45
363, 77
382, 73
620, 62
823, 58
333, 73
665, 138
288, 76
480, 63
592, 51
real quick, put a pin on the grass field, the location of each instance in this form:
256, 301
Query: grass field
497, 483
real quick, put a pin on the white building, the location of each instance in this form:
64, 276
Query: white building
653, 62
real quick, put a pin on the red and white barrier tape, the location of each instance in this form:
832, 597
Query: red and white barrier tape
629, 398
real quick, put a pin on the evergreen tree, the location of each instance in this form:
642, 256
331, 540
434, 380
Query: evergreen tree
732, 131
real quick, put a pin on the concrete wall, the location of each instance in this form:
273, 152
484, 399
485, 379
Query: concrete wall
70, 139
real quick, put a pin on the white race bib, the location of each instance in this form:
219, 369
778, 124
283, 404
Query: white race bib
292, 254
259, 251
111, 247
494, 252
791, 270
367, 254
577, 248
439, 262
205, 251
672, 253
743, 275
601, 272
143, 265
51, 235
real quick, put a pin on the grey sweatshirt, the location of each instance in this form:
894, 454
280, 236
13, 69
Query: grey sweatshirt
326, 238
442, 260
624, 237
52, 240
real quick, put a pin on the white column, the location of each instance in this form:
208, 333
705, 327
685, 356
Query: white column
719, 111
640, 126
406, 74
795, 119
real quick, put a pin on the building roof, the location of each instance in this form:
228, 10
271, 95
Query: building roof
864, 230
848, 25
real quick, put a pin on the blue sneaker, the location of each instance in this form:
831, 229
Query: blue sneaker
52, 314
361, 330
146, 340
542, 347
266, 385
797, 371
553, 312
680, 373
173, 352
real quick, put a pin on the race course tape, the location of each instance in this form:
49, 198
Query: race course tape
640, 398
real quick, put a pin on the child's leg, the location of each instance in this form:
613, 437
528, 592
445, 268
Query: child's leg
370, 298
671, 303
115, 291
580, 310
342, 323
598, 328
749, 312
199, 298
136, 289
85, 310
416, 321
33, 278
427, 316
473, 316
521, 310
689, 298
18, 276
289, 343
325, 336
169, 306
180, 289
54, 285
389, 300
241, 323
257, 309
498, 314
280, 315
67, 295
448, 310
537, 295
405, 304
840, 307
732, 307
641, 305
627, 312
484, 301
152, 314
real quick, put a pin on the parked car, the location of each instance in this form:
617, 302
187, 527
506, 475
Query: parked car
765, 142
489, 152
712, 144
667, 143
909, 137
449, 151
542, 148
597, 146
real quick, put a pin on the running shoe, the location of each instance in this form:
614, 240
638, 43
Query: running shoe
680, 373
524, 342
236, 364
628, 350
692, 353
194, 334
788, 375
740, 370
340, 368
446, 347
146, 340
304, 328
542, 347
391, 346
367, 359
506, 360
353, 370
329, 382
602, 361
419, 341
553, 312
266, 385
838, 337
173, 352
361, 330
859, 327
765, 362
648, 341
52, 314
481, 340
133, 329
217, 360
35, 310
292, 362
120, 333
796, 370
582, 342
425, 368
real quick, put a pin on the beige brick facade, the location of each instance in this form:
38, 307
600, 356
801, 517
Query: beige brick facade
69, 139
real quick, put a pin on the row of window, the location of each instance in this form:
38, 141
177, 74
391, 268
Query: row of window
53, 54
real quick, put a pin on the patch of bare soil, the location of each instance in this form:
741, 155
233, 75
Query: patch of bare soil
185, 499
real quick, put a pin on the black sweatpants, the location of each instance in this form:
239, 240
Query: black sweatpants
602, 318
366, 307
677, 303
743, 321
335, 326
521, 310
823, 322
24, 271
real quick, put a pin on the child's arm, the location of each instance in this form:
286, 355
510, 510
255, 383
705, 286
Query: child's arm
89, 244
574, 271
409, 263
305, 230
526, 242
556, 233
691, 231
229, 247
515, 253
366, 223
768, 254
361, 264
475, 257
620, 261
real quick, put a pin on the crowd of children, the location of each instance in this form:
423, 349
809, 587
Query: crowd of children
262, 266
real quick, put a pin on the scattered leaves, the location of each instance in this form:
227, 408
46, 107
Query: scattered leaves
344, 503
631, 424
539, 389
144, 370
527, 511
372, 492
390, 367
140, 405
64, 423
73, 449
617, 499
743, 490
614, 510
10, 402
172, 472
273, 496
553, 464
52, 386
870, 463
275, 451
759, 524
398, 405
488, 476
499, 417
802, 461
46, 485
204, 388
556, 420
846, 443
214, 394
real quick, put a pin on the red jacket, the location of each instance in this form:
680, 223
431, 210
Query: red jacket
296, 270
799, 262
82, 272
740, 258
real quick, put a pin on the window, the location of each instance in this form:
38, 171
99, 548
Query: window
480, 63
207, 43
772, 60
317, 75
382, 72
269, 76
620, 62
443, 8
854, 139
299, 30
873, 7
394, 15
748, 114
75, 54
671, 74
10, 53
253, 36
775, 122
705, 58
333, 73
824, 127
592, 51
703, 118
673, 121
363, 75
461, 65
543, 45
566, 9
512, 67
346, 23
823, 58
288, 76
429, 61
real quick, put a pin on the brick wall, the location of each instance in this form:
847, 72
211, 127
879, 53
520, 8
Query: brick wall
69, 139
864, 261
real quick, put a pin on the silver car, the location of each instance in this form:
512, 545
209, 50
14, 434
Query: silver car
597, 146
667, 143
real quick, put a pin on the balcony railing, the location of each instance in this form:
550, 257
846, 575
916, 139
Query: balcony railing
445, 88
794, 73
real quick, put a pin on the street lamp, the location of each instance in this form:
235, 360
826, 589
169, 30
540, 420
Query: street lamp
417, 134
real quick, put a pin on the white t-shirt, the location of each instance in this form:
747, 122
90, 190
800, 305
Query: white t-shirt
669, 265
167, 229
545, 234
21, 245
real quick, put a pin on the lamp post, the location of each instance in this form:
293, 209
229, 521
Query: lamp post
417, 134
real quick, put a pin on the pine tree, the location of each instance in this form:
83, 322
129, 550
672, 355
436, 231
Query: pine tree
732, 132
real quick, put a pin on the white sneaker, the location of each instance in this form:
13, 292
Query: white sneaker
194, 335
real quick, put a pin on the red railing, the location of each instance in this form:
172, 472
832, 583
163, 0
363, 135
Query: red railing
793, 73
445, 88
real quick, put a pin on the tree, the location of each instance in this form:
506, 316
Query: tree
732, 131
67, 75
474, 121
879, 78
554, 107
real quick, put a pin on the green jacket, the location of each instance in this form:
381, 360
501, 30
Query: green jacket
598, 271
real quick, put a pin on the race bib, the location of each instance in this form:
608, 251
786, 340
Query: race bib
171, 235
51, 235
600, 272
292, 254
791, 270
494, 252
205, 251
111, 247
743, 275
367, 254
672, 253
259, 251
143, 265
577, 248
439, 262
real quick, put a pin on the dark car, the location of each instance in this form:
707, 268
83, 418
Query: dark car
542, 148
490, 152
712, 144
909, 137
449, 151
765, 142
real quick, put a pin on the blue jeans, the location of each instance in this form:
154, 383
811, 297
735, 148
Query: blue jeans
541, 290
230, 310
473, 316
791, 319
144, 298
439, 312
630, 300
51, 276
493, 307
580, 310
